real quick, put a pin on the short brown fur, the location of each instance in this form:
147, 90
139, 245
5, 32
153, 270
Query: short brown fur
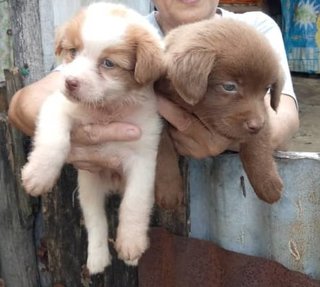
148, 55
201, 58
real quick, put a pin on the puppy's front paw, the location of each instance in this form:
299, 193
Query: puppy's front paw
169, 196
36, 179
131, 245
98, 259
270, 190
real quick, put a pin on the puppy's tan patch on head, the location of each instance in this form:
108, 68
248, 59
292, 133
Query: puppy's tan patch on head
68, 38
123, 55
149, 55
136, 61
119, 12
123, 59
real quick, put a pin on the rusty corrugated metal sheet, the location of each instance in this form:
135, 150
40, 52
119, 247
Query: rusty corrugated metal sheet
174, 261
225, 210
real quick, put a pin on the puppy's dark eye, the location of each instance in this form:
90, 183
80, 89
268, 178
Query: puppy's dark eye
73, 52
107, 63
230, 87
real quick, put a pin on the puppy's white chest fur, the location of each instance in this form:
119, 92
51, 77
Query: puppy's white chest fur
142, 114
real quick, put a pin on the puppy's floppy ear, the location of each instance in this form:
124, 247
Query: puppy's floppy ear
58, 40
149, 58
189, 71
276, 90
69, 30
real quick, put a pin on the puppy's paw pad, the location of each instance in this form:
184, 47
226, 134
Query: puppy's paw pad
130, 249
98, 260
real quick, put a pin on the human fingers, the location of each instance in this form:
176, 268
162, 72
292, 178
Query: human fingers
90, 158
175, 115
188, 146
199, 142
185, 122
92, 134
192, 137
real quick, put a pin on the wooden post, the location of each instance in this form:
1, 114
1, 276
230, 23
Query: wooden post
176, 221
18, 266
27, 44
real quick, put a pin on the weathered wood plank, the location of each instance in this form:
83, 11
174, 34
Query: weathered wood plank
62, 232
176, 221
18, 266
3, 101
66, 239
27, 45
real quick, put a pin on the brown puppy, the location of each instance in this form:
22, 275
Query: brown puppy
220, 70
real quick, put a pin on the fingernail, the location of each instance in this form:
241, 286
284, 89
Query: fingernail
132, 132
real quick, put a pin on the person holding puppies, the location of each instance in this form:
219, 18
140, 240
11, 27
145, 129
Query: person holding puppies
191, 138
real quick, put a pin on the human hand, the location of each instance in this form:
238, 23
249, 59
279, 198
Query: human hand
86, 139
191, 137
284, 123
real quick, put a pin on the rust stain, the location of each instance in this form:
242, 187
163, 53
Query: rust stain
314, 197
300, 209
296, 245
175, 261
293, 248
242, 237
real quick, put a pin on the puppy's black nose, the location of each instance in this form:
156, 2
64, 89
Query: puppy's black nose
72, 84
254, 125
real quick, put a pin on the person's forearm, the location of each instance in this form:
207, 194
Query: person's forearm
25, 104
284, 123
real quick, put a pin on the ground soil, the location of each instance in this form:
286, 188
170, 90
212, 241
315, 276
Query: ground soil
307, 89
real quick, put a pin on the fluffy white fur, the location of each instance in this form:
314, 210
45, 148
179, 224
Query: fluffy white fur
101, 96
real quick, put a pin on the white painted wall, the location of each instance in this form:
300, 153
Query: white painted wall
64, 9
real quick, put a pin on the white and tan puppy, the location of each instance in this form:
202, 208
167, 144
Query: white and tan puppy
112, 57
